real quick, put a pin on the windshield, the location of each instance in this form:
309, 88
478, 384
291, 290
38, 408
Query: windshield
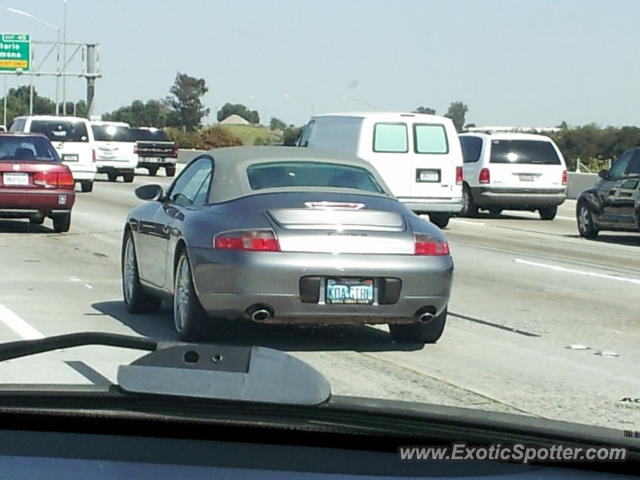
61, 130
309, 174
27, 149
112, 133
149, 135
457, 225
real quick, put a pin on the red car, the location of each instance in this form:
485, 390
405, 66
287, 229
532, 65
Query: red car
34, 183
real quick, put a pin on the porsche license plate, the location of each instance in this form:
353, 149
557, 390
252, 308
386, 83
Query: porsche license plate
15, 179
343, 291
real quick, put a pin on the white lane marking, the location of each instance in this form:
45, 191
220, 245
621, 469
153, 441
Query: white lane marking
88, 286
565, 218
466, 222
73, 279
18, 325
635, 281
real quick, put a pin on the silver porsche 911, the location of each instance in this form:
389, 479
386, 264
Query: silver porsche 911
285, 235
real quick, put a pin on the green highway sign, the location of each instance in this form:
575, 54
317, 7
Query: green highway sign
15, 51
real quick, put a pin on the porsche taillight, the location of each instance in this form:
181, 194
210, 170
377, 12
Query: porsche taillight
250, 240
427, 245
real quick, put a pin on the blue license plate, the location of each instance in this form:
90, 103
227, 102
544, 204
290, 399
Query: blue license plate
349, 291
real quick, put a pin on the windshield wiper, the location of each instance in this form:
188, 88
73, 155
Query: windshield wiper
221, 372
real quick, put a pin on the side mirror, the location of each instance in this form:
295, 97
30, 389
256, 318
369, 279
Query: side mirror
149, 192
603, 174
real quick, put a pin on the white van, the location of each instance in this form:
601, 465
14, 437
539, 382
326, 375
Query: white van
115, 144
71, 137
418, 155
512, 171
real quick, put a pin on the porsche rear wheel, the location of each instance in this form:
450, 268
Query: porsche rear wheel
189, 317
136, 299
419, 332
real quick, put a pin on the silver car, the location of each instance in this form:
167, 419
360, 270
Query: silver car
289, 236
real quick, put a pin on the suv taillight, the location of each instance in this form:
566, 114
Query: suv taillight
93, 156
426, 245
252, 240
459, 175
565, 177
485, 176
174, 152
135, 149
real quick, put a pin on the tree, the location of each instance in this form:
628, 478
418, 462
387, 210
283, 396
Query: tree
277, 124
187, 100
154, 113
228, 109
457, 112
427, 110
18, 103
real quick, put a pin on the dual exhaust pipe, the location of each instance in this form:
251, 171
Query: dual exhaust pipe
426, 317
262, 314
258, 313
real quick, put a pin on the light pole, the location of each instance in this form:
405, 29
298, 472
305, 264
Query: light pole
302, 99
64, 59
359, 100
4, 118
47, 24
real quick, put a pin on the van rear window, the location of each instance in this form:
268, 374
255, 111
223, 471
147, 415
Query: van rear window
430, 138
390, 138
61, 131
523, 151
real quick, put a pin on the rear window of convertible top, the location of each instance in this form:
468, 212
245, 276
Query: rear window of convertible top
311, 174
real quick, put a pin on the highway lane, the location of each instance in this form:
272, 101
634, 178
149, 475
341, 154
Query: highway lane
524, 291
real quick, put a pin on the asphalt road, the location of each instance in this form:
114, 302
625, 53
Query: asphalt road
525, 291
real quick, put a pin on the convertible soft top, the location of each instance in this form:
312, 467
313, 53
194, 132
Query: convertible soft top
230, 180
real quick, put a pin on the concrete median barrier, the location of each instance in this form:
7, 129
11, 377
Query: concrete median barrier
185, 155
578, 182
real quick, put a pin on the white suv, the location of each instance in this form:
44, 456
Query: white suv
512, 171
114, 145
71, 137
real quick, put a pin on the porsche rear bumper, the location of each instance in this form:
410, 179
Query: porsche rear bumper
229, 283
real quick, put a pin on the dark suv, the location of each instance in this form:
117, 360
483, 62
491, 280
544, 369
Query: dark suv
614, 203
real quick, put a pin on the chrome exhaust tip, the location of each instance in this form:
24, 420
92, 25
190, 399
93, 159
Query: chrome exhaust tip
260, 315
426, 317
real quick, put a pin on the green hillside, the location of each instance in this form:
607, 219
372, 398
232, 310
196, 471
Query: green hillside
249, 133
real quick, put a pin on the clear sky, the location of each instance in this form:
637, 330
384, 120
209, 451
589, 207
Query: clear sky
521, 63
